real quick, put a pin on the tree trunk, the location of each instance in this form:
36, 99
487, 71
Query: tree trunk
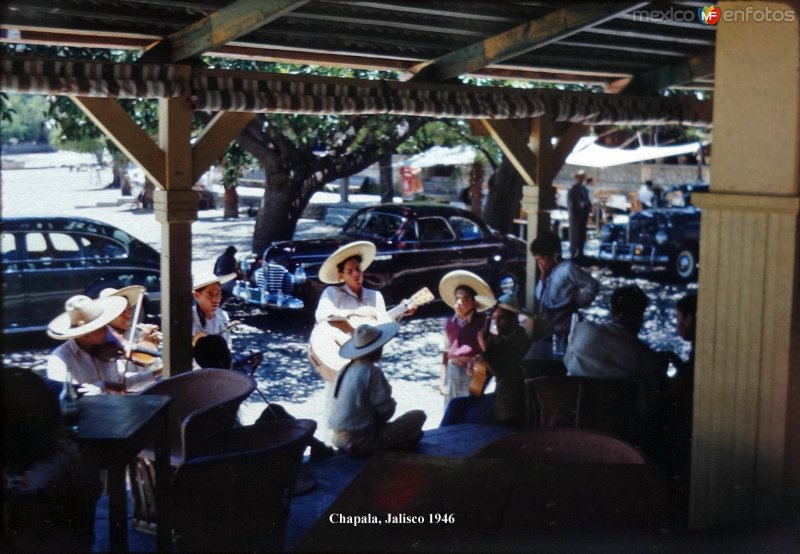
505, 195
280, 209
387, 178
231, 203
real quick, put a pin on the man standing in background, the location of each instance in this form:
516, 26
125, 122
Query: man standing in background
579, 206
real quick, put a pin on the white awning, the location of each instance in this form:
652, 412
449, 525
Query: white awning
442, 155
588, 153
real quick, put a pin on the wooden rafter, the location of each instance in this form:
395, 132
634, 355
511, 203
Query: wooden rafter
215, 139
117, 125
685, 71
521, 39
221, 27
511, 141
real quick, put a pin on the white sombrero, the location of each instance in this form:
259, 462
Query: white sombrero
484, 298
131, 293
329, 272
83, 315
367, 339
507, 302
209, 279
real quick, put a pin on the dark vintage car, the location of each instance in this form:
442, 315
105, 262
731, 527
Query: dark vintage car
663, 236
417, 244
46, 260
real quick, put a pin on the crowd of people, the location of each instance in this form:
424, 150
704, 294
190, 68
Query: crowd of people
485, 338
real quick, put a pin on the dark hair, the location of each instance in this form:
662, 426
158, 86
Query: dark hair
546, 244
340, 265
468, 289
628, 300
687, 304
212, 351
230, 250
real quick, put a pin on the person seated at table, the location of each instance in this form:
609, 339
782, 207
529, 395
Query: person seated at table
502, 355
563, 288
208, 318
362, 403
613, 350
90, 355
145, 337
49, 496
469, 296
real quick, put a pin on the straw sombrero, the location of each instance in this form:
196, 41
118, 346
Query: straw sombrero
329, 273
507, 302
131, 293
367, 339
484, 298
83, 315
209, 279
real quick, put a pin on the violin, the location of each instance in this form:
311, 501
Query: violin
143, 353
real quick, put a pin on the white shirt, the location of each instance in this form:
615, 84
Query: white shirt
86, 369
214, 326
336, 302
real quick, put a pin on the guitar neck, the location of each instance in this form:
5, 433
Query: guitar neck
397, 311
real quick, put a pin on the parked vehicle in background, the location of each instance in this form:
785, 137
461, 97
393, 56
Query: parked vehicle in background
46, 260
417, 244
658, 237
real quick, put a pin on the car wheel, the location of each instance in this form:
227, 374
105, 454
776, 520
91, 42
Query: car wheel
684, 265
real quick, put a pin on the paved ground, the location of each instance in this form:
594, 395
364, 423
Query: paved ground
411, 361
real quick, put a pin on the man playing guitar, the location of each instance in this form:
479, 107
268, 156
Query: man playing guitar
207, 316
342, 308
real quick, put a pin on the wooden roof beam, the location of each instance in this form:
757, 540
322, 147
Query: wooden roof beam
219, 28
215, 139
521, 39
117, 125
666, 76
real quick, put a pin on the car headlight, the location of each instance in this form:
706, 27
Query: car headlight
661, 237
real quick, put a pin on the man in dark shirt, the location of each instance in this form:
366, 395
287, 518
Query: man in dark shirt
225, 265
579, 206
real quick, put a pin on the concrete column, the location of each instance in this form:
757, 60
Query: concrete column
746, 442
530, 203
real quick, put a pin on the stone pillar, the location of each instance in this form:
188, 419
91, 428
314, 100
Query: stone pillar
176, 209
746, 442
530, 203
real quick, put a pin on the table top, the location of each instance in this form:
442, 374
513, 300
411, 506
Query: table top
115, 420
424, 502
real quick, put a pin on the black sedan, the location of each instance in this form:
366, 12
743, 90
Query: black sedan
46, 260
417, 244
663, 236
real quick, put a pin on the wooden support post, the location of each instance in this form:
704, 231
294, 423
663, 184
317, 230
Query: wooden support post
176, 209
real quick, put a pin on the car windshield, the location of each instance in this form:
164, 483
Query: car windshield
373, 224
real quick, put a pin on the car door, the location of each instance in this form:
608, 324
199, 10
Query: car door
430, 256
57, 273
14, 299
475, 249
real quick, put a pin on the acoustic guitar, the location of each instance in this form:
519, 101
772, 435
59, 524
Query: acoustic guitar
327, 337
200, 334
481, 376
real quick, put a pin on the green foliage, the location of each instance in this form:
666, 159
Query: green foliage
235, 161
24, 118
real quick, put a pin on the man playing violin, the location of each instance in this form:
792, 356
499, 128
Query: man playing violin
141, 354
90, 354
208, 318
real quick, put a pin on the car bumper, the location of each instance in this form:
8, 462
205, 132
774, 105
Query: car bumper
632, 253
261, 297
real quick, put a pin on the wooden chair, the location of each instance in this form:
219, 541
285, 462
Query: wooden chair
563, 445
237, 498
607, 405
204, 408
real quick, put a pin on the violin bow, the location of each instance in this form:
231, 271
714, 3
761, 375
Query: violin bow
136, 311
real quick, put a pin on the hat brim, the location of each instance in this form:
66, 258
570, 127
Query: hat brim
484, 297
131, 293
206, 280
61, 327
388, 331
329, 272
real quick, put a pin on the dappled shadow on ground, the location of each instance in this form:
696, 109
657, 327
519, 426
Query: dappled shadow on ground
414, 355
